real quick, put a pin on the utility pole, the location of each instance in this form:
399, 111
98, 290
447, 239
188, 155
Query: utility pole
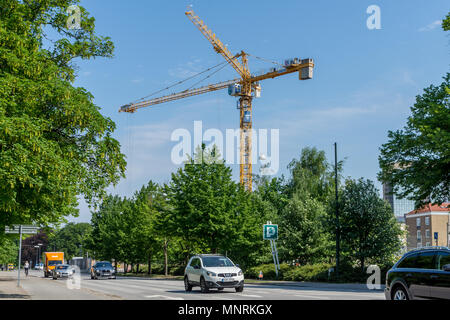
338, 235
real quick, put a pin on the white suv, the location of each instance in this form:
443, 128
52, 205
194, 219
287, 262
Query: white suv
213, 271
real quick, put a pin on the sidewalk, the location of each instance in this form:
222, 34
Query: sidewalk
8, 287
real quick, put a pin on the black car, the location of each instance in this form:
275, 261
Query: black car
420, 274
103, 269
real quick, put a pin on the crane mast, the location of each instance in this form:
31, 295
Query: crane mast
245, 88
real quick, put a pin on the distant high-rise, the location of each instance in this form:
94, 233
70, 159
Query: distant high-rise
399, 206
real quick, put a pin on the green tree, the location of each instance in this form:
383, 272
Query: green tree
107, 239
54, 143
141, 240
71, 239
369, 230
210, 212
446, 23
416, 160
310, 175
302, 235
8, 251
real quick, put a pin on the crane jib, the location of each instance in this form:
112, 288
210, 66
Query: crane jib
246, 88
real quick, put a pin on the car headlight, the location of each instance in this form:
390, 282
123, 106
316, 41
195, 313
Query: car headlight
211, 274
240, 273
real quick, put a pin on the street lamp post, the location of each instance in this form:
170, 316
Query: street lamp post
37, 256
38, 259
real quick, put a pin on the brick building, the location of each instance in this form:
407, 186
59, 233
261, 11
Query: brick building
425, 224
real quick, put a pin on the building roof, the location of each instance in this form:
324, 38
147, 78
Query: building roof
429, 208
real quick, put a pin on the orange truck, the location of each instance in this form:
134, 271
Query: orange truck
51, 260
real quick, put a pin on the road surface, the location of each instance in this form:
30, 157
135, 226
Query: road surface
123, 288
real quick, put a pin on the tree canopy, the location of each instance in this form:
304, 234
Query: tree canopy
369, 230
55, 145
416, 159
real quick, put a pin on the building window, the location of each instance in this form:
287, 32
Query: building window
418, 222
427, 221
419, 244
419, 235
427, 233
428, 244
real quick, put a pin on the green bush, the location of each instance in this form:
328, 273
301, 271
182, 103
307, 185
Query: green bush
157, 268
313, 272
268, 271
352, 273
176, 270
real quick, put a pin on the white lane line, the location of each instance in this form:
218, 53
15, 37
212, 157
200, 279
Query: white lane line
113, 286
344, 293
110, 290
164, 297
212, 296
249, 295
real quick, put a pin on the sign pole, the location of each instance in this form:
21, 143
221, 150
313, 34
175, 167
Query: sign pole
276, 254
20, 254
274, 259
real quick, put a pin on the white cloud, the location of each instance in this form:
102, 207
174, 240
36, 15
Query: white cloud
431, 26
187, 69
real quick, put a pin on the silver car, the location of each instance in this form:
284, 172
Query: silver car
63, 271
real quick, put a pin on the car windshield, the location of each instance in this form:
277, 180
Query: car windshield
54, 262
217, 262
103, 265
62, 267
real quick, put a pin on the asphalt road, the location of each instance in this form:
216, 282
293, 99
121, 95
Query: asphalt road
40, 288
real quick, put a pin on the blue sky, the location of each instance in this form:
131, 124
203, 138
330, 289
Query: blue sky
364, 80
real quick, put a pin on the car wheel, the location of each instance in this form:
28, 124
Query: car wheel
399, 294
187, 286
239, 289
92, 277
203, 287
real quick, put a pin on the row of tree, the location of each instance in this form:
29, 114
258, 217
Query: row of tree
202, 210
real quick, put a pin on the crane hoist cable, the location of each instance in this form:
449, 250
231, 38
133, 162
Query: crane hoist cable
267, 60
208, 76
182, 81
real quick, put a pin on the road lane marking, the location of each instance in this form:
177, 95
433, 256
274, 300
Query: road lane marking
165, 297
249, 295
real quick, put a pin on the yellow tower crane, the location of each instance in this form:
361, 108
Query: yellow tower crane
246, 87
